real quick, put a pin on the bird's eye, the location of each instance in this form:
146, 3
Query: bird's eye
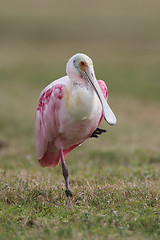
82, 63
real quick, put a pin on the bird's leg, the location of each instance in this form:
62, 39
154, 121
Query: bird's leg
97, 132
65, 174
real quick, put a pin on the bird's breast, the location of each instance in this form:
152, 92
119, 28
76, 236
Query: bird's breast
82, 103
79, 116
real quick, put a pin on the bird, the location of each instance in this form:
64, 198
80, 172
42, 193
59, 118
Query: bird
70, 110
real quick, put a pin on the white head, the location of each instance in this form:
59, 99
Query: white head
80, 66
77, 64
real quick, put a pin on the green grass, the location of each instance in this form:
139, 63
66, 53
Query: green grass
114, 179
117, 197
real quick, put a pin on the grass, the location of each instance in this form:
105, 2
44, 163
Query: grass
114, 179
114, 198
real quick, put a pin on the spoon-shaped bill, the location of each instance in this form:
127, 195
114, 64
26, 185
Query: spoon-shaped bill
107, 112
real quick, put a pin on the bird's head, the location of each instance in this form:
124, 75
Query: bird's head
81, 63
81, 66
77, 65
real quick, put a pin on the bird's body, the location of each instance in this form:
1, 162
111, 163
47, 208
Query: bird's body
65, 118
68, 112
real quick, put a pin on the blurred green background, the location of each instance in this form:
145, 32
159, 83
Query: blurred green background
122, 37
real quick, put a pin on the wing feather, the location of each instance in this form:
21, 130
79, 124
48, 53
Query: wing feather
47, 117
103, 87
104, 90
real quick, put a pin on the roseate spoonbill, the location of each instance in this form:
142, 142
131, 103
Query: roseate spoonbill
69, 111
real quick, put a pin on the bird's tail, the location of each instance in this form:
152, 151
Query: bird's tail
50, 159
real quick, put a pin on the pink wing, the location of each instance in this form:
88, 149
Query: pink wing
47, 122
104, 90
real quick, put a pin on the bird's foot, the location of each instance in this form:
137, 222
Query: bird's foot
97, 132
68, 193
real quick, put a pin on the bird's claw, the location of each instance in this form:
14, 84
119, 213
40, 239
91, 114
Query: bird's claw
68, 193
97, 132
